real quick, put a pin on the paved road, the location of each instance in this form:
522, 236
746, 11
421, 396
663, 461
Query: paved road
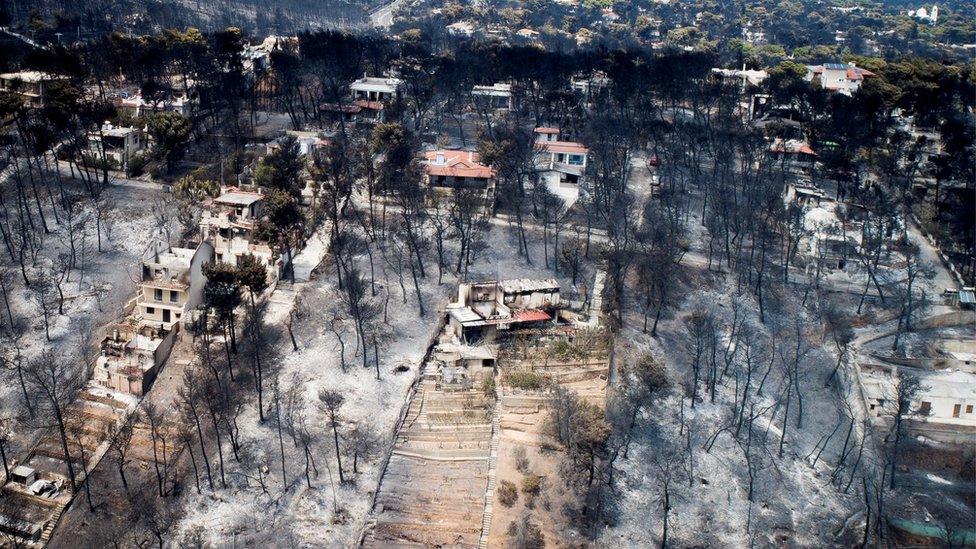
116, 180
22, 38
383, 16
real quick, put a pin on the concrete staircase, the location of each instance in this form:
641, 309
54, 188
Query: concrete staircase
490, 490
52, 523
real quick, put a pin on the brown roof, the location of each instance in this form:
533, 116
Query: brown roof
346, 109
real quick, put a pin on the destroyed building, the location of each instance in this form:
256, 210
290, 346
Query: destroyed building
484, 308
170, 287
230, 224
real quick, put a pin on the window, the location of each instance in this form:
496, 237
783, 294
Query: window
576, 159
150, 310
925, 408
158, 294
969, 408
173, 296
956, 409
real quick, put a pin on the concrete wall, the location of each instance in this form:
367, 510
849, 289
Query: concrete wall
952, 434
159, 358
203, 255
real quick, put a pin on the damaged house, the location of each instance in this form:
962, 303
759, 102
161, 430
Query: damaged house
171, 286
484, 308
230, 225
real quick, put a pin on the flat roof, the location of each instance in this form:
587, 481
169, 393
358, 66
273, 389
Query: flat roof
466, 315
519, 285
29, 76
376, 83
967, 296
239, 198
118, 132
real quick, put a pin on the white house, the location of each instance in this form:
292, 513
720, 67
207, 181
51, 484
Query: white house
495, 96
31, 85
560, 165
944, 408
837, 77
135, 105
166, 290
589, 85
461, 28
372, 88
119, 144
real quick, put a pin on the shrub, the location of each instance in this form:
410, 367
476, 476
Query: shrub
488, 387
531, 485
136, 167
526, 534
525, 379
507, 493
521, 460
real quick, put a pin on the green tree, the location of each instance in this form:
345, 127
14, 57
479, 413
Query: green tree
223, 294
282, 225
252, 275
282, 168
170, 131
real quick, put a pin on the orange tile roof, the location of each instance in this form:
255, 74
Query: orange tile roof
792, 147
565, 147
456, 164
546, 130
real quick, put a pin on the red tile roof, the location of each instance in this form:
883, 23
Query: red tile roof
792, 147
369, 105
547, 130
456, 164
531, 315
858, 74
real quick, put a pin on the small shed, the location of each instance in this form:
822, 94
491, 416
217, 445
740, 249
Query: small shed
967, 298
22, 474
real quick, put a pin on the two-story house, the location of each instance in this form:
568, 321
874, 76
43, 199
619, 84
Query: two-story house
230, 223
31, 85
560, 165
119, 144
838, 77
